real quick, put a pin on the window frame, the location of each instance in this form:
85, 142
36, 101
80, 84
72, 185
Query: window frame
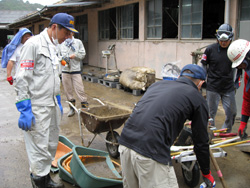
192, 24
154, 26
103, 25
82, 27
125, 25
116, 29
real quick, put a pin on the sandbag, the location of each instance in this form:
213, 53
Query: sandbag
139, 78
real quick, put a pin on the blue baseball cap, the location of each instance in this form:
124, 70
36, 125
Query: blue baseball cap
64, 20
197, 71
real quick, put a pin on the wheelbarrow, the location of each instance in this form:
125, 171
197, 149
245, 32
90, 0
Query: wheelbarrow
182, 152
101, 119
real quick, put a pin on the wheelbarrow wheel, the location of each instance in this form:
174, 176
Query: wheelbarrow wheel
192, 177
112, 148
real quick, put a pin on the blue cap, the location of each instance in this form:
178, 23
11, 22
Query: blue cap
197, 71
64, 20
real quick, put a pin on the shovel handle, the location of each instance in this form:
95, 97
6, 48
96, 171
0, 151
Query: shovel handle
217, 168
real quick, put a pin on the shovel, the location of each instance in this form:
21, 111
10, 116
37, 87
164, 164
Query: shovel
217, 168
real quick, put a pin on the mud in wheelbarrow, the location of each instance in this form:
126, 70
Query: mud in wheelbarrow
105, 118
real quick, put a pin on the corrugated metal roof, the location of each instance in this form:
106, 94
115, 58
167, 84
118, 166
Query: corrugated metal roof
46, 10
9, 16
72, 4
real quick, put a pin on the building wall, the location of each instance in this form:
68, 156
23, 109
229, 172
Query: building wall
141, 52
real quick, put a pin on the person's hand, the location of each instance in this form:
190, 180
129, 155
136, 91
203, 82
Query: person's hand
72, 56
209, 180
10, 80
65, 60
242, 131
58, 97
26, 119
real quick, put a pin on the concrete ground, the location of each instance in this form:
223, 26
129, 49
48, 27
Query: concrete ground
14, 171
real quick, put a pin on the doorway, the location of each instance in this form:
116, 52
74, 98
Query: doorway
82, 28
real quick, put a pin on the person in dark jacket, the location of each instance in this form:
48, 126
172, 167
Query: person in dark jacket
220, 77
154, 125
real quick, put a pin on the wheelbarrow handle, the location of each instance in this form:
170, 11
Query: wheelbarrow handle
99, 101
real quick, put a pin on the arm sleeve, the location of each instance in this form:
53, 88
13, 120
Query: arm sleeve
59, 54
13, 57
24, 72
63, 51
205, 58
200, 137
80, 54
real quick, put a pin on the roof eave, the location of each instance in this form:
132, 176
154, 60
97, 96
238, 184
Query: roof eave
39, 14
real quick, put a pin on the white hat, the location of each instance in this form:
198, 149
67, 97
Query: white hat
237, 51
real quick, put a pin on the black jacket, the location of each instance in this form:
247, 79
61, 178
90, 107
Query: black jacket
159, 117
220, 72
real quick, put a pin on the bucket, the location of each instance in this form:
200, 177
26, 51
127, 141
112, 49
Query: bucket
83, 175
63, 173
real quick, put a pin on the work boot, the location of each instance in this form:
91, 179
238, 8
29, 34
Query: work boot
72, 111
85, 105
44, 182
51, 184
37, 182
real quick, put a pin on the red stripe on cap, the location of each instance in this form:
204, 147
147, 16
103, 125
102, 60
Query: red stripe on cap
237, 56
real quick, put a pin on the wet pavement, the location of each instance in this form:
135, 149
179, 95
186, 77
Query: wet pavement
14, 170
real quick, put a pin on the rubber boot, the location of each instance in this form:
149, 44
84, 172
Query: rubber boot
72, 111
51, 184
44, 182
85, 105
37, 182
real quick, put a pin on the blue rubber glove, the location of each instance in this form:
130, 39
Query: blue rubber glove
58, 97
26, 118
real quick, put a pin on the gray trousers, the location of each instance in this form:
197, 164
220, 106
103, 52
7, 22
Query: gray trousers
71, 81
228, 103
42, 140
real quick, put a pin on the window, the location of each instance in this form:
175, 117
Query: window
154, 19
245, 10
119, 23
162, 18
170, 18
191, 19
127, 22
213, 17
112, 23
244, 23
199, 18
104, 21
107, 24
82, 27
